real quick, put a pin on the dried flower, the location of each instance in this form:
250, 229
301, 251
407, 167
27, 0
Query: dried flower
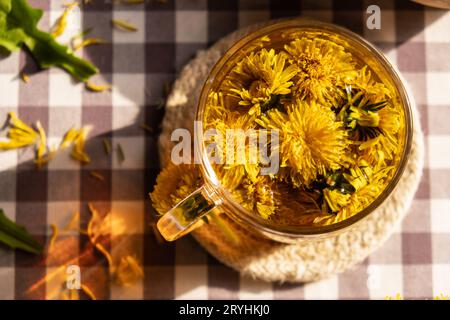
363, 80
259, 79
367, 183
224, 121
312, 141
77, 45
373, 123
173, 184
257, 196
323, 66
120, 153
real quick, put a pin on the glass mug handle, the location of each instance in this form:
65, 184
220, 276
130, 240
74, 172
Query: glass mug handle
183, 218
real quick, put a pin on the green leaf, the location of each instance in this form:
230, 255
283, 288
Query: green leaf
18, 26
15, 236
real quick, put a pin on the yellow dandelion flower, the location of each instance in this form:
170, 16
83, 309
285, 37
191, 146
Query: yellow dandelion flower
259, 80
373, 121
173, 184
390, 125
311, 141
231, 129
257, 196
219, 115
323, 66
367, 184
231, 177
363, 80
239, 176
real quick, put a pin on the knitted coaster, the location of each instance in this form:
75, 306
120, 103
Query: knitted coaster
264, 259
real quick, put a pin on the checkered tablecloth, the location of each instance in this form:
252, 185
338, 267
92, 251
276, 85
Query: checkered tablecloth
414, 263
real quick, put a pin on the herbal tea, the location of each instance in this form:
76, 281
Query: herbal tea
338, 117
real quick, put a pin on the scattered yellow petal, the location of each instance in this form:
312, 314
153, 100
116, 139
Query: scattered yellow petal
54, 236
19, 124
124, 25
25, 77
107, 256
120, 153
97, 88
69, 138
8, 145
146, 127
88, 42
78, 151
46, 158
129, 271
97, 175
20, 134
94, 216
42, 147
78, 38
60, 26
107, 146
88, 292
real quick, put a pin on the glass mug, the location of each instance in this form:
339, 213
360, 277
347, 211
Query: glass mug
188, 214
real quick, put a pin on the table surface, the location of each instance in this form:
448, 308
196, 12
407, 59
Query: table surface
414, 262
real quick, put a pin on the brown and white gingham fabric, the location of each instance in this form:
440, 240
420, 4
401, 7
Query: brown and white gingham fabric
415, 262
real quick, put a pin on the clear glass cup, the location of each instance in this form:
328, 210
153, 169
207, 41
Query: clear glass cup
212, 196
